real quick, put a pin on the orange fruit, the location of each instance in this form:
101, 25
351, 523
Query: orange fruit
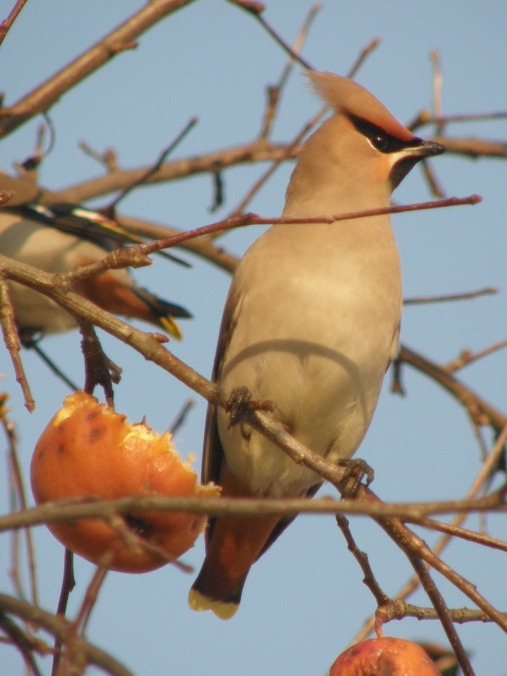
384, 657
89, 450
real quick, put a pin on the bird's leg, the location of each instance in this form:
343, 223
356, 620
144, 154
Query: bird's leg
356, 470
29, 337
240, 404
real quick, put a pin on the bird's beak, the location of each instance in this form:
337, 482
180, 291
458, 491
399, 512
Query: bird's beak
414, 152
427, 149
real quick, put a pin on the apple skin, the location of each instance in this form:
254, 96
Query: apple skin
88, 450
386, 656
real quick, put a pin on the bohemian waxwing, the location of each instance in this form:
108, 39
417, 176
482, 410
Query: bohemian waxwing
58, 238
311, 323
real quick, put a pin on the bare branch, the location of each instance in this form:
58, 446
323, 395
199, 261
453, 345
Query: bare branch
23, 641
74, 509
466, 357
442, 611
484, 473
365, 53
472, 147
11, 341
153, 170
6, 24
255, 9
59, 627
463, 533
275, 90
19, 493
398, 610
476, 406
468, 295
362, 558
258, 151
202, 246
44, 96
425, 118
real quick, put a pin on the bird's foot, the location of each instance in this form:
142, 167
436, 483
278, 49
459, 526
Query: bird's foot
240, 404
357, 473
29, 337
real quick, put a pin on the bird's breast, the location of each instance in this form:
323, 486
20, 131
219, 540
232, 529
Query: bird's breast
314, 328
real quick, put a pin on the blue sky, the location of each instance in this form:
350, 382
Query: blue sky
304, 601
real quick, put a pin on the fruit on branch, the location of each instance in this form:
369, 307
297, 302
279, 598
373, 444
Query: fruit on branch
89, 450
386, 657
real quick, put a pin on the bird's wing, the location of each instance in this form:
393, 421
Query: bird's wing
213, 452
286, 521
87, 224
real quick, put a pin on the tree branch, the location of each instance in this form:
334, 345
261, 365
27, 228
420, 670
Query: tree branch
59, 628
44, 96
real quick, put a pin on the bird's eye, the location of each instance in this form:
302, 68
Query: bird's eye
380, 142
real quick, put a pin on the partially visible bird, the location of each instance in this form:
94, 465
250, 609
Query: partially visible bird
58, 238
311, 323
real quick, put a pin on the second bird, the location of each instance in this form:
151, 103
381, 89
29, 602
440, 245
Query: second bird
59, 238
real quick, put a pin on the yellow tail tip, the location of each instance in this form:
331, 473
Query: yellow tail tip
200, 603
169, 325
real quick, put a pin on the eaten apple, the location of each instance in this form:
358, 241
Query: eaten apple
89, 450
387, 656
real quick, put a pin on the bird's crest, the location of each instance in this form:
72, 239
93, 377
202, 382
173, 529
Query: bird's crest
350, 98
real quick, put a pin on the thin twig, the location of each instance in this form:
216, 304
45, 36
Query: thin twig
45, 95
6, 24
444, 298
182, 416
365, 53
443, 613
275, 90
425, 118
434, 184
294, 144
362, 558
107, 158
289, 152
437, 88
464, 533
156, 167
477, 407
485, 472
276, 36
11, 341
52, 366
466, 357
10, 433
22, 641
59, 627
72, 655
137, 256
68, 584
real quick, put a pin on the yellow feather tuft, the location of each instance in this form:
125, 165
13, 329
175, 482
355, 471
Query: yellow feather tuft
169, 325
198, 602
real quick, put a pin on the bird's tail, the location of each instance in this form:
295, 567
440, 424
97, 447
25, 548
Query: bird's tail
233, 547
164, 311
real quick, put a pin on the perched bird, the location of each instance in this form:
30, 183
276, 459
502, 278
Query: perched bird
311, 323
59, 237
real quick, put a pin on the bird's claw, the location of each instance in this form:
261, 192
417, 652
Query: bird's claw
357, 473
240, 404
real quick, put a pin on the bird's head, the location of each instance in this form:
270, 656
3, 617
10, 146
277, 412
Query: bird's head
361, 153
